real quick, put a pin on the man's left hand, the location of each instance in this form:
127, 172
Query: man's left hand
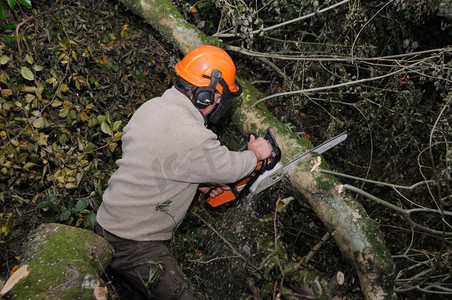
214, 190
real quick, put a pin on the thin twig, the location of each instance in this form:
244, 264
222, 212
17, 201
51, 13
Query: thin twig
362, 28
275, 230
225, 240
316, 248
254, 32
17, 33
213, 259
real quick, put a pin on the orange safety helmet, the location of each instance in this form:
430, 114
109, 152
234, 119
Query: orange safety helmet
197, 67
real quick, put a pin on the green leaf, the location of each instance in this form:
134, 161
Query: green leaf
26, 3
81, 204
63, 139
283, 203
116, 125
39, 122
2, 12
105, 128
38, 68
64, 88
107, 117
65, 215
12, 3
4, 59
163, 206
92, 219
29, 59
26, 73
63, 113
42, 204
79, 222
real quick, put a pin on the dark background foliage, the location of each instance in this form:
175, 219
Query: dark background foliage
72, 74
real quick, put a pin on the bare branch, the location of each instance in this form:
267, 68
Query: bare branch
340, 84
403, 58
224, 35
362, 28
405, 213
411, 187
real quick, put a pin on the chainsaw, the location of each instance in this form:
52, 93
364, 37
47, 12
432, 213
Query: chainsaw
268, 171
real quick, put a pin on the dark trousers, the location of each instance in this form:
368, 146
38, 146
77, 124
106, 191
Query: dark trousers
149, 266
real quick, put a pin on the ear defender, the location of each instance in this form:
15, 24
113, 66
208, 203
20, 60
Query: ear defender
205, 95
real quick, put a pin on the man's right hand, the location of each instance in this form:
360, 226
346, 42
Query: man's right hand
260, 146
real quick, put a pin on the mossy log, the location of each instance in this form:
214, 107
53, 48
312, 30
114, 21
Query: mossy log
358, 236
64, 262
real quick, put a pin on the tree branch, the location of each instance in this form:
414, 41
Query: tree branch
405, 213
224, 35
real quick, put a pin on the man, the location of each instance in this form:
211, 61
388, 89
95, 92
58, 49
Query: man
167, 154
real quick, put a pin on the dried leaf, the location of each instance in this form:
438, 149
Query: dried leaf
21, 273
340, 189
100, 293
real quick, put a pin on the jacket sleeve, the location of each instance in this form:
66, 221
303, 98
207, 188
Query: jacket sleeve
210, 162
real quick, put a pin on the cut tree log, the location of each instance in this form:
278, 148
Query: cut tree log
358, 236
63, 262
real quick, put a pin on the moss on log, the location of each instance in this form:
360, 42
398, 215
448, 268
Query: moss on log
358, 236
65, 263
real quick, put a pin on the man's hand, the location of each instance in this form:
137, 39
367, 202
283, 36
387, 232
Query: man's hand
260, 147
214, 190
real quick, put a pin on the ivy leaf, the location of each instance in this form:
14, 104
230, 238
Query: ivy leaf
27, 73
105, 128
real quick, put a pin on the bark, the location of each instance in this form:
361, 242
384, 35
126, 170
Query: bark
359, 237
64, 262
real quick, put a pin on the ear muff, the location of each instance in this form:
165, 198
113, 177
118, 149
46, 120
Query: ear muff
205, 95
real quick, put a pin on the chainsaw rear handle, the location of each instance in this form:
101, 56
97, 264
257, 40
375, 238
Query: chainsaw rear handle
241, 187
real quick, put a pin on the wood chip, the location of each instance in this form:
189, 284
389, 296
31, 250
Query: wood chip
340, 278
317, 163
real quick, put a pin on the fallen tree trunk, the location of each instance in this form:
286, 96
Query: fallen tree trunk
359, 237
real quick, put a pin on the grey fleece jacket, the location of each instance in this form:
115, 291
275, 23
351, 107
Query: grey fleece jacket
167, 153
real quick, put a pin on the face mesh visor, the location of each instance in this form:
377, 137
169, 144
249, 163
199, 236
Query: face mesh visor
226, 101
